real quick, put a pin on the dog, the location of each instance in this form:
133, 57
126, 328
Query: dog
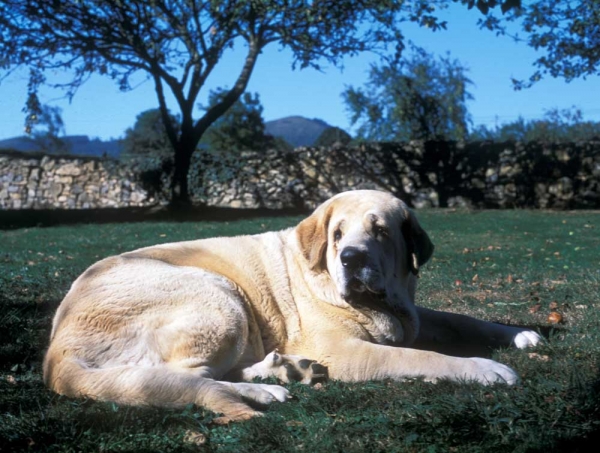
196, 322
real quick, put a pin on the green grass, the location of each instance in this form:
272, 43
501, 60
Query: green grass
491, 264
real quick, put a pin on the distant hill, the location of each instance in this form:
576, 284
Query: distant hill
79, 145
297, 130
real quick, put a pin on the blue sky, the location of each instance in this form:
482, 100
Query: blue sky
99, 109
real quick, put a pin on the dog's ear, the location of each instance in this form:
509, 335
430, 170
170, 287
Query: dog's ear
419, 246
312, 237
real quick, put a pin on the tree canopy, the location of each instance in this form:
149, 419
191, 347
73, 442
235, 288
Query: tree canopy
148, 136
241, 128
419, 97
558, 125
565, 33
333, 136
178, 43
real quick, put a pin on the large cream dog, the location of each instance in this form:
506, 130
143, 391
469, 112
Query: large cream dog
186, 322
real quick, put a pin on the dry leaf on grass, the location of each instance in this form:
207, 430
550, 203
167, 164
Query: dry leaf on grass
194, 437
294, 423
555, 318
536, 356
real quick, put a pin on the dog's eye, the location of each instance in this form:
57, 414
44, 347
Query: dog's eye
337, 235
380, 231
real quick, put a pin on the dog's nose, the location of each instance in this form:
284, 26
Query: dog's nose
353, 258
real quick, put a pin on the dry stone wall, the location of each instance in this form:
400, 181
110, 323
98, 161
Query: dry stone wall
436, 173
430, 174
45, 182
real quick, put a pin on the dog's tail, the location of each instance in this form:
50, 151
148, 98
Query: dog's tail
159, 385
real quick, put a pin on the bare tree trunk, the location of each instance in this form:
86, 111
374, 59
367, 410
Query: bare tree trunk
179, 183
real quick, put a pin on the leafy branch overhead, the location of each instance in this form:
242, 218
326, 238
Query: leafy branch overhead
420, 97
178, 44
565, 33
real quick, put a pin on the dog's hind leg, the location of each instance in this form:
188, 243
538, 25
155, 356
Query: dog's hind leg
161, 385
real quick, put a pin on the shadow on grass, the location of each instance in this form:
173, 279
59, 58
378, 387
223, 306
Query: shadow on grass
22, 218
465, 349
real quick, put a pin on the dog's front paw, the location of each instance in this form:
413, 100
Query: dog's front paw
287, 368
489, 372
294, 368
526, 339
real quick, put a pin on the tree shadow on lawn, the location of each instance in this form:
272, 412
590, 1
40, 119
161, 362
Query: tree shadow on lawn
23, 218
470, 349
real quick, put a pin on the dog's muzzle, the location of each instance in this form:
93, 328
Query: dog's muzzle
361, 280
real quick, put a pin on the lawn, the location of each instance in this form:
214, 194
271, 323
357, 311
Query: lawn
504, 266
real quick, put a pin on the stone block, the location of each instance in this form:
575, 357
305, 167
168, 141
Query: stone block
68, 169
47, 163
55, 189
67, 180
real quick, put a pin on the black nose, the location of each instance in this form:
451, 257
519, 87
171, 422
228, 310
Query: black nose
353, 258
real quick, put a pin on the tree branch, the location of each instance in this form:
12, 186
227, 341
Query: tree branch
233, 95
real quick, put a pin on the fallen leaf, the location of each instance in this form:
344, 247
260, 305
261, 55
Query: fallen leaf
553, 305
555, 318
194, 437
535, 355
294, 423
509, 279
535, 308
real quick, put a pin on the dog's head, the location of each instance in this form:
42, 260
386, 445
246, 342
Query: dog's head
372, 246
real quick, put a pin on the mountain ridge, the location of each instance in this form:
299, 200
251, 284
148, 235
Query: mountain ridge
296, 130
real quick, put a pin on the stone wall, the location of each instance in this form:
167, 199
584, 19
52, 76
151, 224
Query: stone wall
436, 173
430, 174
44, 182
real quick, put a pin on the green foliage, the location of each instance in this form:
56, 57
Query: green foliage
148, 136
241, 128
567, 34
45, 127
333, 136
566, 125
178, 44
420, 97
490, 264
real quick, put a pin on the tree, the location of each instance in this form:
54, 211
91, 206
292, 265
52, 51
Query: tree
566, 33
241, 128
148, 137
558, 125
46, 128
178, 43
333, 136
420, 97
